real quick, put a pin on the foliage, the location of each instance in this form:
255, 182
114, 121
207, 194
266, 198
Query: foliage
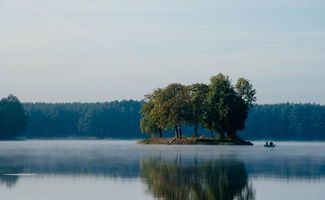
246, 91
166, 108
218, 106
101, 120
150, 121
197, 102
285, 121
13, 118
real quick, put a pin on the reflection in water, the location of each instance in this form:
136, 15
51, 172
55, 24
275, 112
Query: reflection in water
9, 180
168, 172
220, 179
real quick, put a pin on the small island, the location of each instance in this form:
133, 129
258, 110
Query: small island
194, 140
219, 107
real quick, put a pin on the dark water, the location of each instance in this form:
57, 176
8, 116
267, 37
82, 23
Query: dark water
52, 170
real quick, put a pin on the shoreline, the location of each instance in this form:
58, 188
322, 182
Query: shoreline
193, 141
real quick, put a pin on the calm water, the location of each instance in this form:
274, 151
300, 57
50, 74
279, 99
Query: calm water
60, 170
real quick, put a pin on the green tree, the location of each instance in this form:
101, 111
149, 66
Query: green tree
246, 91
218, 107
175, 107
228, 106
239, 104
153, 119
236, 117
148, 123
13, 118
197, 102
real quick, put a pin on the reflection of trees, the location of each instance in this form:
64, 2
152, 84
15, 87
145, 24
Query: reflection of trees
219, 179
10, 181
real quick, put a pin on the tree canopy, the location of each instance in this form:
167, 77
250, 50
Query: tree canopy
121, 119
13, 118
219, 106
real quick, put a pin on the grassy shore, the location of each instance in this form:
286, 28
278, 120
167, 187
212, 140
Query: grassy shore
194, 140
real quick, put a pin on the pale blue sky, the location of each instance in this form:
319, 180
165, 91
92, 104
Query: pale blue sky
81, 50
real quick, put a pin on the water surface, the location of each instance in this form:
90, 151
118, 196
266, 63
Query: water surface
103, 169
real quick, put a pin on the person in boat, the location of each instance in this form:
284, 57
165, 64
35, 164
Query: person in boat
271, 143
267, 144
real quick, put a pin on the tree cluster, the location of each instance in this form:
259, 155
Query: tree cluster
120, 119
116, 119
219, 106
286, 121
13, 118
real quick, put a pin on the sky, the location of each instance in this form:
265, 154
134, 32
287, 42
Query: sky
104, 50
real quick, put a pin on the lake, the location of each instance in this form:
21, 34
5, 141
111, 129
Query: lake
104, 169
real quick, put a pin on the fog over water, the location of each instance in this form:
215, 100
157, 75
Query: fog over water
60, 169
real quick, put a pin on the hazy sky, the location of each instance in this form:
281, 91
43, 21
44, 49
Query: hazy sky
103, 50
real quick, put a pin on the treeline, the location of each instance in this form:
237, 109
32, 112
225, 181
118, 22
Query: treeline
286, 121
99, 120
121, 119
13, 118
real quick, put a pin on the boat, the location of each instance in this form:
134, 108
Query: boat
269, 146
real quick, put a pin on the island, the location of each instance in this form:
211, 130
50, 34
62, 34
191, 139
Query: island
219, 106
193, 140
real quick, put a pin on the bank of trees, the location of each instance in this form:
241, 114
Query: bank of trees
13, 118
286, 121
116, 119
121, 119
220, 106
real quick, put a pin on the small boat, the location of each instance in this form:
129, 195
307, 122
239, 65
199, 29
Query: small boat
269, 146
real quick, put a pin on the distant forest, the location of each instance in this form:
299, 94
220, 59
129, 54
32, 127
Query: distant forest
120, 120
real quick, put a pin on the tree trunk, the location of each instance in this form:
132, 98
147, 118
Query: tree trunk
176, 131
160, 132
180, 131
233, 135
196, 127
211, 133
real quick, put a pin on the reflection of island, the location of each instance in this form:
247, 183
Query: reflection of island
76, 159
219, 179
8, 179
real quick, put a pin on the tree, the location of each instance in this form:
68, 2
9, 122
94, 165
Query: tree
218, 108
152, 120
237, 116
148, 123
197, 101
13, 118
246, 91
239, 103
228, 106
175, 107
